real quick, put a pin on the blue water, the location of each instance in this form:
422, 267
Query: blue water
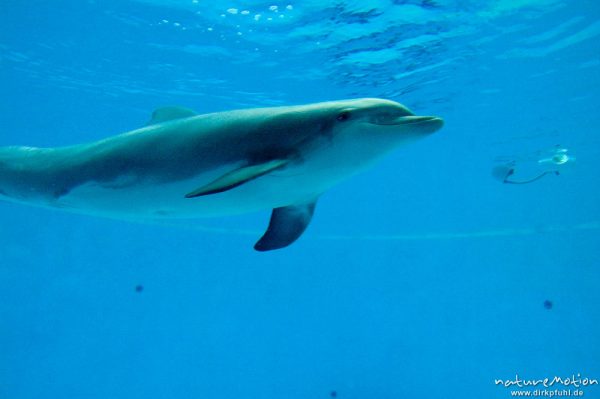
424, 277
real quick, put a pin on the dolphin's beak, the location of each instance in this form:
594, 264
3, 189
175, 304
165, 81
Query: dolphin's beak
424, 124
429, 123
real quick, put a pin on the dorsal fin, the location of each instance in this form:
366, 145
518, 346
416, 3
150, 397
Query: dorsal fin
165, 114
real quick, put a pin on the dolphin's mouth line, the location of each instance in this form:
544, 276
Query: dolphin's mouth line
408, 120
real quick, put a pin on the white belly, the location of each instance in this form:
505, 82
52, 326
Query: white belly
168, 200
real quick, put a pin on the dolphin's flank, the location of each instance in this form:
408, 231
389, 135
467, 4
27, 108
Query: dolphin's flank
183, 165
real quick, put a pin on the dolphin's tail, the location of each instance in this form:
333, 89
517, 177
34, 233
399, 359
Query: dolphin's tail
25, 173
12, 161
3, 173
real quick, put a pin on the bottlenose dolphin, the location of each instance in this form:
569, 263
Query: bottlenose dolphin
186, 165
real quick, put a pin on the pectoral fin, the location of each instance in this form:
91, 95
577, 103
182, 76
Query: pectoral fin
286, 225
237, 178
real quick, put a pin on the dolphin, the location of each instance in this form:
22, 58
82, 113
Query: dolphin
185, 165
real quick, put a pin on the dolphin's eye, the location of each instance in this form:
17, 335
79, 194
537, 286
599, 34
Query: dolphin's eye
343, 116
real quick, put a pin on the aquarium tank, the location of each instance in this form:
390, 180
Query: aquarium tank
161, 163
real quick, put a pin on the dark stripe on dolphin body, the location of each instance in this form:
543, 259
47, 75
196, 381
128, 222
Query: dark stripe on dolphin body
170, 152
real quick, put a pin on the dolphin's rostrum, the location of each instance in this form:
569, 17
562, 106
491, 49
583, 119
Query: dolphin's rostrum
187, 165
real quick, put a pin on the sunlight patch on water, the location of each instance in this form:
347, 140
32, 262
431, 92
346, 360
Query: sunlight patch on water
362, 48
503, 7
587, 33
551, 34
